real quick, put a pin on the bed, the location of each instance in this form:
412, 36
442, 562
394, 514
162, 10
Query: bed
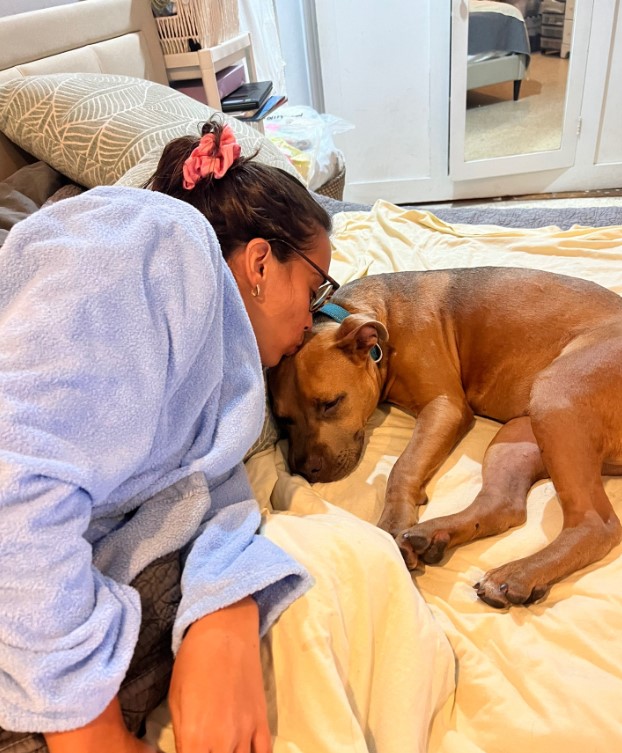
547, 677
498, 45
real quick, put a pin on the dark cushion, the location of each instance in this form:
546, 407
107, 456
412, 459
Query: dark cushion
24, 192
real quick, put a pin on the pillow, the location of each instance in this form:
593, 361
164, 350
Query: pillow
138, 175
95, 127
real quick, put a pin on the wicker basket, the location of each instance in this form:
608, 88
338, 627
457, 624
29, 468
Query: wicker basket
197, 24
333, 188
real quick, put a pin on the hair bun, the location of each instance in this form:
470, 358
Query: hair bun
213, 125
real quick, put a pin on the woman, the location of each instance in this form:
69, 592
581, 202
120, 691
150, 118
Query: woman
130, 390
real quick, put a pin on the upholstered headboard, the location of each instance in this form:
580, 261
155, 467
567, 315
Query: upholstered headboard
93, 36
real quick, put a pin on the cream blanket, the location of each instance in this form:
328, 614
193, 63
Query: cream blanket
543, 678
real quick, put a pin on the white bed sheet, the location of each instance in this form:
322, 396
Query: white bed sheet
491, 6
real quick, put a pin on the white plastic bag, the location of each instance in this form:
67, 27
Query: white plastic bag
306, 137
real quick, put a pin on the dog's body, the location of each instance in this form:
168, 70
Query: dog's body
541, 353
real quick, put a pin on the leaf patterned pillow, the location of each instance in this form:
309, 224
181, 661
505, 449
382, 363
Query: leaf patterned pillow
95, 127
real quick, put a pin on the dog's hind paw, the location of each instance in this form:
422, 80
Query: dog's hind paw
494, 596
500, 592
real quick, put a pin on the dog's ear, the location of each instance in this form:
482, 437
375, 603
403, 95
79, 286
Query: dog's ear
358, 334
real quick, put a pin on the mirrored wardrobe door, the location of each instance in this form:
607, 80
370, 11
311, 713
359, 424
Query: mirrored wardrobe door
517, 77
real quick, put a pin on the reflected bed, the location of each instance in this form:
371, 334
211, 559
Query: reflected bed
498, 46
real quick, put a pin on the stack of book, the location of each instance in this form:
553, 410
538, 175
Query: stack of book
252, 101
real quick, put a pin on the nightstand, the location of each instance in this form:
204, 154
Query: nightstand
206, 62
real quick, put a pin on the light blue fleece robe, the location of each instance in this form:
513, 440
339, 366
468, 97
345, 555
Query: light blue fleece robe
127, 364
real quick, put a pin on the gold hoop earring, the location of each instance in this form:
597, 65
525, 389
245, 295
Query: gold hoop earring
255, 292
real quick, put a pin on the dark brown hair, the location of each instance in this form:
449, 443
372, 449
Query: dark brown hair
252, 200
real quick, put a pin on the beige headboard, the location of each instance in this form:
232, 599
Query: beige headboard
106, 36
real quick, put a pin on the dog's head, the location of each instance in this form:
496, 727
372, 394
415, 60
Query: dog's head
324, 394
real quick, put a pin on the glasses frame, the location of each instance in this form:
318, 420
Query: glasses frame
326, 290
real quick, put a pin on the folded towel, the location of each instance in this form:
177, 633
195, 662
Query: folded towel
127, 364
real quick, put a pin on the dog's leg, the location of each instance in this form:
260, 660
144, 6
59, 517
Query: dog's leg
578, 424
439, 426
512, 464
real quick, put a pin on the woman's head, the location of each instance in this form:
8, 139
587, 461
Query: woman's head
266, 222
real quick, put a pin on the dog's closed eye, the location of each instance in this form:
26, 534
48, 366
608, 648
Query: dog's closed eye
327, 407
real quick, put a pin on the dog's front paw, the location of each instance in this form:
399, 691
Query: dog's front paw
400, 512
394, 521
509, 585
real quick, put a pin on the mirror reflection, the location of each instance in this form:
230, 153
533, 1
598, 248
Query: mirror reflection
517, 70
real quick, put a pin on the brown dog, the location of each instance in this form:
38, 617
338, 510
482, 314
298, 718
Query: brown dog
540, 352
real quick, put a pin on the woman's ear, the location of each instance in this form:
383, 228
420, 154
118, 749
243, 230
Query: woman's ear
250, 263
258, 257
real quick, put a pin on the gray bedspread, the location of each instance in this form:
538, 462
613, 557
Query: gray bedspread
506, 216
497, 32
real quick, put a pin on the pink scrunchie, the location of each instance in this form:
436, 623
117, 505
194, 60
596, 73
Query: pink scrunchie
206, 160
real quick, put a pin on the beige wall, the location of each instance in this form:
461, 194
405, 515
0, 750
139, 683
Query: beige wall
11, 7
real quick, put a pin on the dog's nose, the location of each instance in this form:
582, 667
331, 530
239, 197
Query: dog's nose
312, 467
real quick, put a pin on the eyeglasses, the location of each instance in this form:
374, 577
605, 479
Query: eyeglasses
324, 293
